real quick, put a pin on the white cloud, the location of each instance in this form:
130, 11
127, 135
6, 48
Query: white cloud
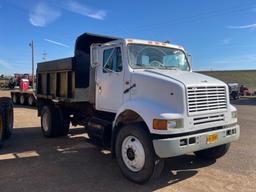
5, 64
251, 26
76, 7
56, 43
43, 14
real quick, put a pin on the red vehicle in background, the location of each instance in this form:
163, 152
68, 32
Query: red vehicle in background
24, 84
19, 76
25, 94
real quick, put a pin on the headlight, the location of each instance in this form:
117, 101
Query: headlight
234, 114
176, 123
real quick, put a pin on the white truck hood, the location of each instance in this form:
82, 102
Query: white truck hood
185, 77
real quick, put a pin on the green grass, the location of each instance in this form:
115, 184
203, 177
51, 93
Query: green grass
243, 77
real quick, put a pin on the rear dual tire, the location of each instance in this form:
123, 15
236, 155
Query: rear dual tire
54, 121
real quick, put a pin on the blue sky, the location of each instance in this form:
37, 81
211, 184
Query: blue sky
221, 35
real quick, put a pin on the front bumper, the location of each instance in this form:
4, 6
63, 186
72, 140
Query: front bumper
170, 147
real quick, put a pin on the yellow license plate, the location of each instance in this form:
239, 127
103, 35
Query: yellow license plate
212, 138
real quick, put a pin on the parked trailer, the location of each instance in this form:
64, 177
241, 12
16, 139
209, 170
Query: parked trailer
24, 97
138, 98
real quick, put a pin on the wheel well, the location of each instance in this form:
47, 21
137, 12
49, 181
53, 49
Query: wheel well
125, 117
128, 116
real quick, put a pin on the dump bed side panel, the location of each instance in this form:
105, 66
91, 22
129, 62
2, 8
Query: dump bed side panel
58, 80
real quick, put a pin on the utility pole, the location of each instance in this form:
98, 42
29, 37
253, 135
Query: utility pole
33, 63
44, 55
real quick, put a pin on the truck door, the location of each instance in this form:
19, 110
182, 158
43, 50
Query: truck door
110, 79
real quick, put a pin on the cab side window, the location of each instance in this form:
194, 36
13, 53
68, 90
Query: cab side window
112, 60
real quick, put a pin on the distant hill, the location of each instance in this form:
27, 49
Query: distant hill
243, 77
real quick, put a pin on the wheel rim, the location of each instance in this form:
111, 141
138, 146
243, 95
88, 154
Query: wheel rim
30, 100
133, 153
22, 99
45, 121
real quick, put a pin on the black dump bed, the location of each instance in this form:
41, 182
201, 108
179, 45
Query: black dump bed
61, 78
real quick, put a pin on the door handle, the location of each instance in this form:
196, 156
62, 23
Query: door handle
127, 90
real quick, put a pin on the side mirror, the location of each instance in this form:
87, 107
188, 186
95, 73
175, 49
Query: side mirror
95, 57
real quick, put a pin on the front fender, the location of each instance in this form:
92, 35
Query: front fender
148, 110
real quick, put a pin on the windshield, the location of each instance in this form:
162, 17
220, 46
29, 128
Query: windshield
149, 56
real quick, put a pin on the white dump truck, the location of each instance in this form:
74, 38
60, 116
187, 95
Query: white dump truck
139, 98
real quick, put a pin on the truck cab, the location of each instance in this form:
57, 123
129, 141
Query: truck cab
141, 97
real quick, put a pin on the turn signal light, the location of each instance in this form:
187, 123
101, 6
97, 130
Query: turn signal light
160, 124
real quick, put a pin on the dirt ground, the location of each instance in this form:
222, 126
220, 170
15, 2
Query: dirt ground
31, 162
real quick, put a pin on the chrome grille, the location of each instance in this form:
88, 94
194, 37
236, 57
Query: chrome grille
206, 99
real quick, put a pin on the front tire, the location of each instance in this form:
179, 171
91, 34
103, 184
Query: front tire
213, 153
135, 154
